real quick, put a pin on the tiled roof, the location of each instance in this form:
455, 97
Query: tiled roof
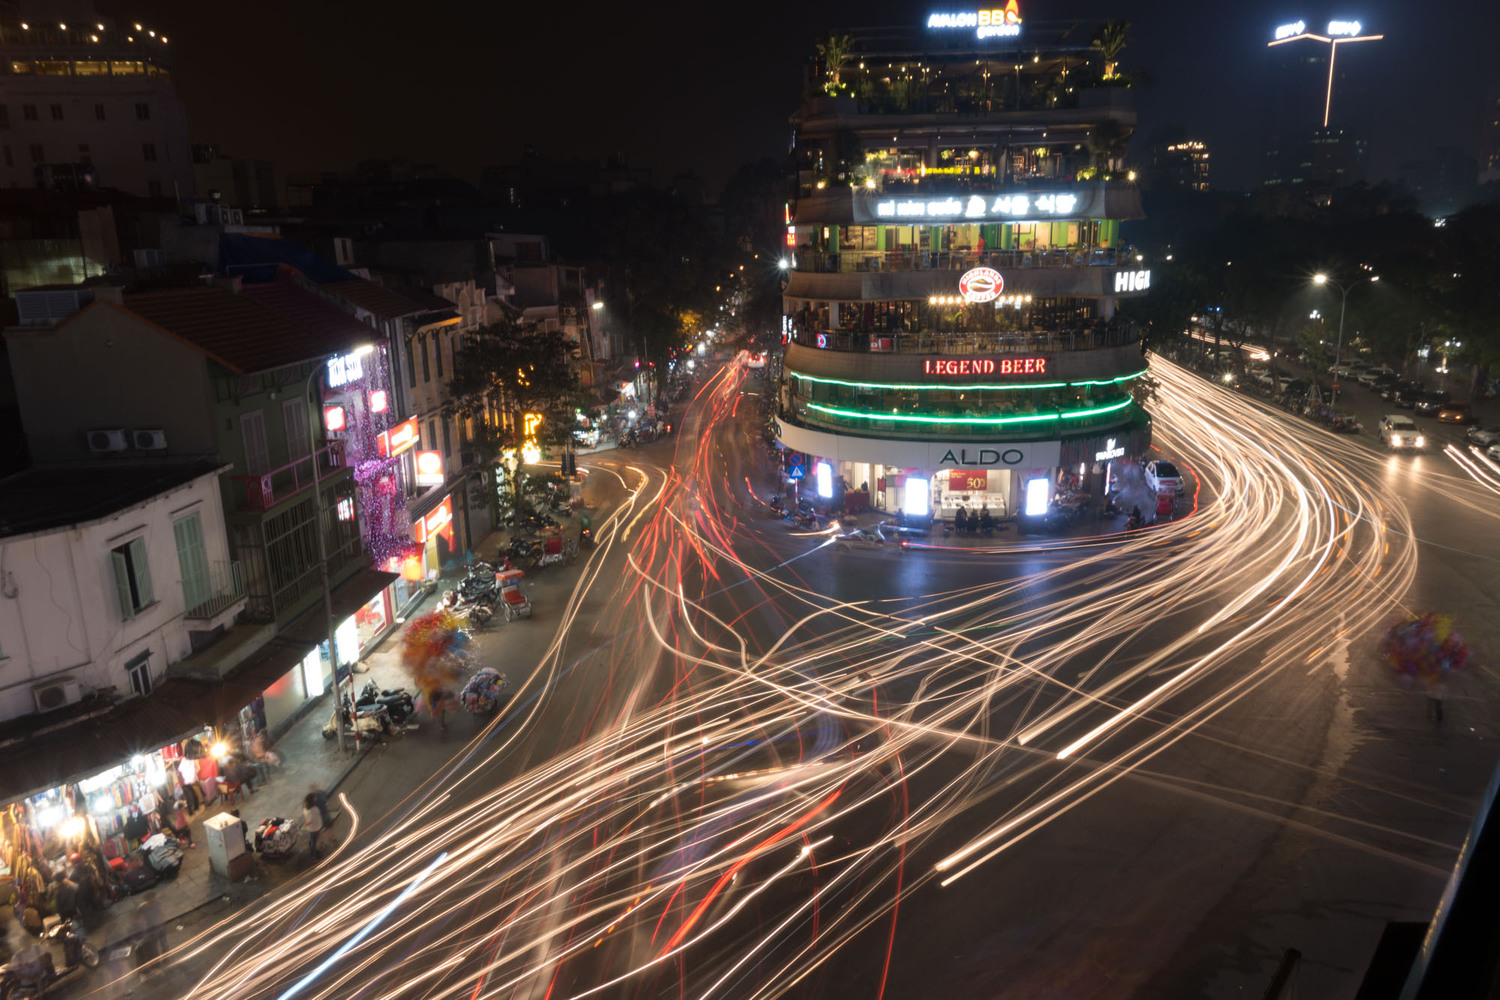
242, 334
315, 314
431, 301
377, 299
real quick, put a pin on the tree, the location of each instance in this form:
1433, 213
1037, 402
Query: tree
502, 373
833, 51
1110, 40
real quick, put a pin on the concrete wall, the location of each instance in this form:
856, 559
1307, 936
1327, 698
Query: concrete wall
60, 613
104, 368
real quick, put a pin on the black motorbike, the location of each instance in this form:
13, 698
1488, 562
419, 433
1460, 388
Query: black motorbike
398, 702
524, 550
32, 979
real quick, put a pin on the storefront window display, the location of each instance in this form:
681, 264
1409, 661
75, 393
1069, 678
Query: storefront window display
372, 619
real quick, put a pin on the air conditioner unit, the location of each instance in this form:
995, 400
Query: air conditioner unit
59, 694
150, 440
107, 440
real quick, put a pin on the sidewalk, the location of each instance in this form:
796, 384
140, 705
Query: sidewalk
307, 759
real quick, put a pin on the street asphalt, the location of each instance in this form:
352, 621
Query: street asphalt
1156, 799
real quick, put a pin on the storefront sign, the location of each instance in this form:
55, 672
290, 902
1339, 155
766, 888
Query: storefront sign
1132, 281
378, 401
823, 341
1291, 30
968, 481
333, 418
1005, 206
345, 369
1111, 451
982, 458
429, 468
438, 521
401, 438
971, 367
1343, 27
995, 22
981, 284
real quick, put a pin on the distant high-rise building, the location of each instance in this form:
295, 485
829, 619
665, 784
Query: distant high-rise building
1181, 165
86, 102
1306, 142
1489, 140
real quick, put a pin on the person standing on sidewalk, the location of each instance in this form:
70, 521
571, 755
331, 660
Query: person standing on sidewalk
320, 799
312, 822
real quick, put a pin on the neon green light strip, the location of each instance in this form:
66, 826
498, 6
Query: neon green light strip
965, 385
918, 418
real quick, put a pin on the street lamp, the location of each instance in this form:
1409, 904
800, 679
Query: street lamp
333, 646
1322, 279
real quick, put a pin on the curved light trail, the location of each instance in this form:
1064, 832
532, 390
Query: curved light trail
759, 772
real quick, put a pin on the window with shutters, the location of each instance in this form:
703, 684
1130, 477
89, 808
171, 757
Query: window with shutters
437, 349
28, 112
4, 116
153, 188
138, 669
426, 373
148, 151
192, 560
294, 418
411, 367
142, 111
57, 112
99, 112
132, 577
253, 433
37, 155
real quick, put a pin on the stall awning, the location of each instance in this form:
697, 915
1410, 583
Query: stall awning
175, 710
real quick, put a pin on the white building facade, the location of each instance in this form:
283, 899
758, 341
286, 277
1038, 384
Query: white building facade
105, 605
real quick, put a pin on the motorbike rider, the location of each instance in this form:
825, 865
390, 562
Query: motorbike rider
32, 964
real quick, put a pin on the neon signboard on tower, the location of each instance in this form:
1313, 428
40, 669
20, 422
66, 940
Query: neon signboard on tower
991, 22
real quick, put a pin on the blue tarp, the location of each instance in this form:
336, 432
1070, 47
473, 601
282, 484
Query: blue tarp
257, 258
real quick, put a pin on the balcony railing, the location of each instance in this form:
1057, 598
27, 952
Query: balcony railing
1038, 424
286, 481
1117, 334
225, 589
859, 261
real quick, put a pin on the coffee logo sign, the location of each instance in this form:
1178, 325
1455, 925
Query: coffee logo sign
982, 284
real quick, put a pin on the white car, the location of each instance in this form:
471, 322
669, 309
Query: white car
1162, 477
1398, 431
1494, 452
1484, 436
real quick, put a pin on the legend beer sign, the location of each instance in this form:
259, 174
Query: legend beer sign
970, 368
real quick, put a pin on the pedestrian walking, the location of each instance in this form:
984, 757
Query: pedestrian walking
1437, 691
320, 799
187, 772
312, 822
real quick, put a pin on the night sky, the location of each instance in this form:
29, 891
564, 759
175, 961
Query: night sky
320, 85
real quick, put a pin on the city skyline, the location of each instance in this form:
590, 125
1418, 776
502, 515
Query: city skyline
410, 93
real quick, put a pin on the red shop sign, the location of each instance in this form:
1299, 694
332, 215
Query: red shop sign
968, 481
439, 521
398, 439
970, 367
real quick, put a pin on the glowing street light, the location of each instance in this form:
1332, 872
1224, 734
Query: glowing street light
1322, 279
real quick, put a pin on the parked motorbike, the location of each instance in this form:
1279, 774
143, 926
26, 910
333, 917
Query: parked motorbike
398, 702
371, 722
806, 520
524, 550
33, 972
1134, 521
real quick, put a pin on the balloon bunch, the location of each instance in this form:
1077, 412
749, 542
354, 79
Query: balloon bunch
1426, 647
436, 655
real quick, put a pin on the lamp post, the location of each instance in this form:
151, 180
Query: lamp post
1322, 279
333, 646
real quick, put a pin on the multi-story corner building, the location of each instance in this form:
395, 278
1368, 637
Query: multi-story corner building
88, 102
954, 264
1308, 140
